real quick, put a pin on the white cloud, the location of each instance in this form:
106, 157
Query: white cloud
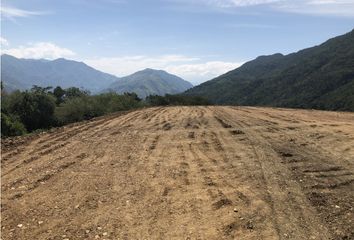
200, 72
4, 42
240, 3
12, 12
125, 65
190, 68
344, 8
45, 50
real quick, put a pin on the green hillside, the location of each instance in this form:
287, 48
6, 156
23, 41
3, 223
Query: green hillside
320, 77
150, 82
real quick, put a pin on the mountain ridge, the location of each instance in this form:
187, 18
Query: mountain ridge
310, 78
150, 82
20, 73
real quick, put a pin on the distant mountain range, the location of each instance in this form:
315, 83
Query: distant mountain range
320, 77
24, 73
150, 82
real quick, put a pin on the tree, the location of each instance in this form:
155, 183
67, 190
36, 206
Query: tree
38, 89
34, 108
156, 100
59, 94
133, 95
75, 92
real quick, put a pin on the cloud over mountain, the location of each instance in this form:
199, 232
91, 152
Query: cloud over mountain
39, 50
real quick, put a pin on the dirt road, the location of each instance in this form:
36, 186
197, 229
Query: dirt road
184, 173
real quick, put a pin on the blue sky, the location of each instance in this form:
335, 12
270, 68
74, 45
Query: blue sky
195, 39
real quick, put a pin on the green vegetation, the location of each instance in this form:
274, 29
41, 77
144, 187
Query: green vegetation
86, 107
155, 100
11, 126
35, 108
43, 108
321, 77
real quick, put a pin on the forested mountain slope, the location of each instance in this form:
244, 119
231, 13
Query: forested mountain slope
150, 82
319, 77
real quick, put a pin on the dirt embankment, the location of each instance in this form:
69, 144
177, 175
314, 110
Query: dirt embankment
184, 173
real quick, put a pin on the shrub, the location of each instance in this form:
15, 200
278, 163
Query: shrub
168, 99
77, 109
34, 109
87, 107
11, 126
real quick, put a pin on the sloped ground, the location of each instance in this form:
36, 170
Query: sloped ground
184, 173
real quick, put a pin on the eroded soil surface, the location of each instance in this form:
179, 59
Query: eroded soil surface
184, 173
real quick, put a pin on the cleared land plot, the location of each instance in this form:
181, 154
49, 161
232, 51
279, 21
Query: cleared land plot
184, 173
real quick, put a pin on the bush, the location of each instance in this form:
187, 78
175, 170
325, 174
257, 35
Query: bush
77, 109
11, 126
87, 107
35, 109
112, 102
183, 100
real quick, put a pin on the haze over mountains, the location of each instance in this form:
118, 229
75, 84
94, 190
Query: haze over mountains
319, 77
150, 82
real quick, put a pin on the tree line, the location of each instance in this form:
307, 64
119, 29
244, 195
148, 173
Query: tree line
45, 107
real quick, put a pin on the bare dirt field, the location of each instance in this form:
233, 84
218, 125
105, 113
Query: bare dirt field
184, 173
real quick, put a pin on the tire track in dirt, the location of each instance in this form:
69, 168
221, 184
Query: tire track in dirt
295, 212
223, 194
324, 175
61, 134
46, 145
42, 149
180, 173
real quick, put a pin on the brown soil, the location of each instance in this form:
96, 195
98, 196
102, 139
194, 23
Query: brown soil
184, 173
